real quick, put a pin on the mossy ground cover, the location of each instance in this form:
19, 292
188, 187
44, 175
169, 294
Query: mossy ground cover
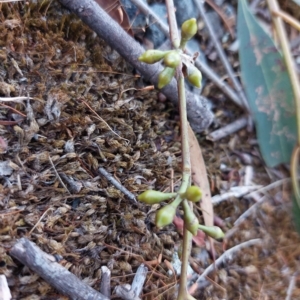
89, 110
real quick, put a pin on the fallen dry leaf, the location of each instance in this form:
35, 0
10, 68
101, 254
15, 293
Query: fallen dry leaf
199, 177
117, 12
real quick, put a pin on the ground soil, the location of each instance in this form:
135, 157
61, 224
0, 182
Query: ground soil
88, 110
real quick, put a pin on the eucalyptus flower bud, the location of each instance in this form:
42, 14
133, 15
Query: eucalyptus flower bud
152, 56
193, 193
213, 231
165, 215
153, 197
191, 222
188, 29
172, 59
194, 76
165, 77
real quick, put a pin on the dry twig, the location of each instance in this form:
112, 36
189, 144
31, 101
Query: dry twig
45, 266
117, 184
132, 293
201, 280
4, 289
228, 129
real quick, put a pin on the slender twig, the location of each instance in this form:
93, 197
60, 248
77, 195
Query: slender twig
172, 24
14, 99
4, 289
39, 221
226, 255
98, 117
132, 293
205, 69
228, 129
291, 287
117, 184
287, 18
248, 212
105, 281
57, 175
222, 15
222, 55
13, 109
237, 191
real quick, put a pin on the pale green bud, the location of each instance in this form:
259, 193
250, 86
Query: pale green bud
165, 216
188, 29
213, 231
193, 193
165, 77
172, 59
191, 222
194, 76
152, 56
153, 197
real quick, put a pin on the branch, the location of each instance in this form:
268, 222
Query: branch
59, 277
106, 28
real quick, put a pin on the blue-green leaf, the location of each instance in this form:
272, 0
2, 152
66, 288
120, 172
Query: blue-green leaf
268, 89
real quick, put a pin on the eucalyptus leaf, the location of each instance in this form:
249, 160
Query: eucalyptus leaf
268, 89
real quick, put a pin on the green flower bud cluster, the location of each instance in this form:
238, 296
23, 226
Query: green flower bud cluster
166, 214
171, 60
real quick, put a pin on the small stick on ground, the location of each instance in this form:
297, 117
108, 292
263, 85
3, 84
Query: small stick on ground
56, 275
127, 293
248, 212
117, 184
105, 281
201, 281
4, 289
235, 191
57, 175
228, 129
291, 287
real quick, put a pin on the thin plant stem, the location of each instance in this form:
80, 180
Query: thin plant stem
186, 181
174, 36
185, 150
186, 160
186, 251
